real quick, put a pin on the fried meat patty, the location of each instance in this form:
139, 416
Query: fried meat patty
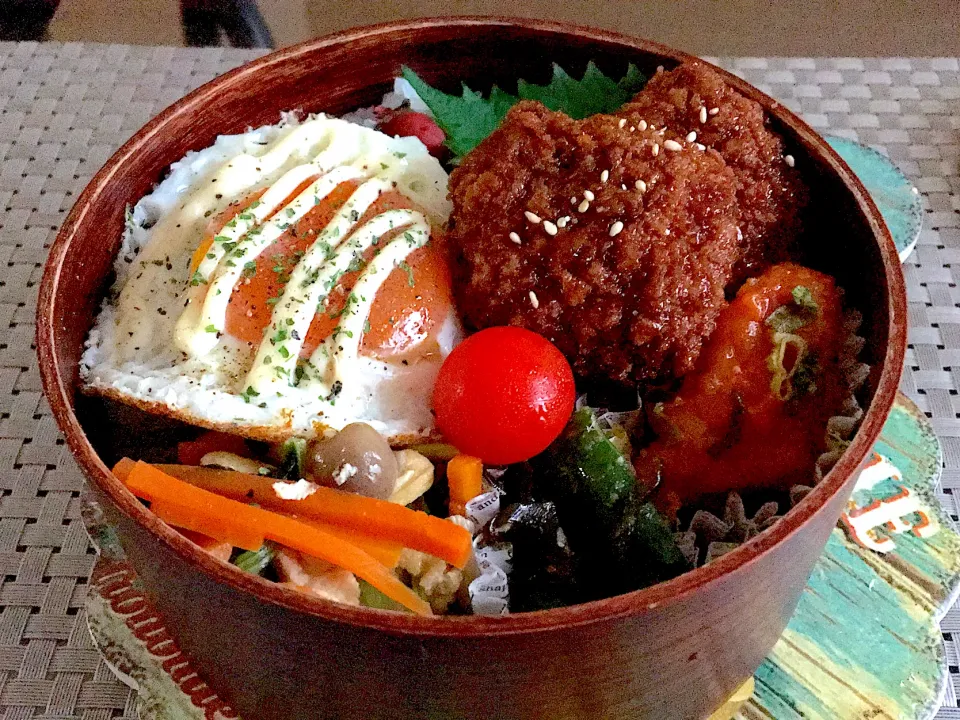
770, 193
606, 239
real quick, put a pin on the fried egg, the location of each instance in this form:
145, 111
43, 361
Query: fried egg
282, 282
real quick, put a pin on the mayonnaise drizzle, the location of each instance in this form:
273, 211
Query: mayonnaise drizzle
198, 334
181, 230
311, 281
338, 248
322, 153
230, 235
331, 359
244, 221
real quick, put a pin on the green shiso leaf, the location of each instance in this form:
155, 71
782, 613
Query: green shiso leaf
467, 119
594, 93
470, 118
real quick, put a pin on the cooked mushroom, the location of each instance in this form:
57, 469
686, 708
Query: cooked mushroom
357, 459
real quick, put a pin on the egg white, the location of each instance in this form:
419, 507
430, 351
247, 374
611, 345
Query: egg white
134, 353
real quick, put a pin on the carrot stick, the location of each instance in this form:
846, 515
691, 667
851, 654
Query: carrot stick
386, 551
203, 519
364, 516
465, 479
150, 483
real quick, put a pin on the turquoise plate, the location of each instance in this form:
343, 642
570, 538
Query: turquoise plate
895, 196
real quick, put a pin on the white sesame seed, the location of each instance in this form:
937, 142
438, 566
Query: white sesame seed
659, 68
584, 206
788, 159
915, 191
714, 111
642, 125
672, 145
604, 176
703, 114
662, 130
532, 217
623, 186
691, 136
667, 231
633, 129
656, 149
622, 122
514, 238
562, 222
533, 300
700, 146
573, 200
589, 195
640, 185
616, 228
549, 227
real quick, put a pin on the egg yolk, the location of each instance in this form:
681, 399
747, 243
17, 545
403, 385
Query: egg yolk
406, 314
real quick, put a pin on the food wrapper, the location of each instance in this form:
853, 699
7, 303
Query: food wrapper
708, 536
490, 593
490, 590
484, 508
494, 557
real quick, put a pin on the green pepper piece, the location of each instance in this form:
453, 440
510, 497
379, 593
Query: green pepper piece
591, 468
623, 543
294, 454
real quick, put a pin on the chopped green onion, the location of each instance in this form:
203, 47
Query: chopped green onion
255, 561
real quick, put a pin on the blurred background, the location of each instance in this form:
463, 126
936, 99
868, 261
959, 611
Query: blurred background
709, 27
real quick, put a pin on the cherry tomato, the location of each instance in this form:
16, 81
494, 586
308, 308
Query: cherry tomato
190, 452
503, 395
408, 123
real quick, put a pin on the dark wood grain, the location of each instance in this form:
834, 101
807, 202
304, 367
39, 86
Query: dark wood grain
676, 650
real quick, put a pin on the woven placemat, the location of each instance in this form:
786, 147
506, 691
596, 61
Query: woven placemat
64, 108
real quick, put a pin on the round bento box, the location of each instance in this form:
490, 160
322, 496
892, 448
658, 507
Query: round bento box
677, 649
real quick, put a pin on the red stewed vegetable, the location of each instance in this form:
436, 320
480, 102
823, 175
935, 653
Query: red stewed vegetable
503, 395
190, 452
408, 123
